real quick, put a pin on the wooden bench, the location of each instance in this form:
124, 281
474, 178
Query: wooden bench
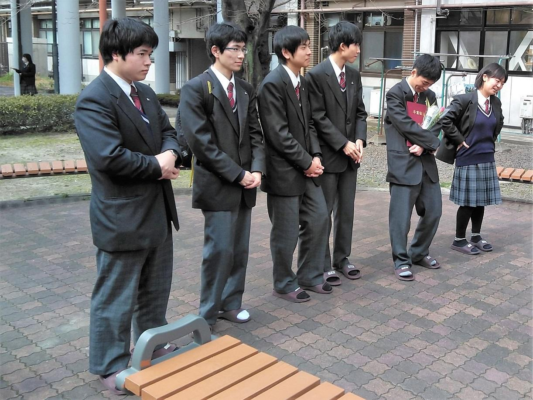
516, 175
33, 169
220, 368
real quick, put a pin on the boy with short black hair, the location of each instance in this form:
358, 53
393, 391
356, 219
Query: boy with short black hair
296, 204
229, 161
412, 169
132, 152
339, 116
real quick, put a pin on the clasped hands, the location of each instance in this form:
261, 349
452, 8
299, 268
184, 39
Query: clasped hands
167, 162
354, 150
251, 180
315, 170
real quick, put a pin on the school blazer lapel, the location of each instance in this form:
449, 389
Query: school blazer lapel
222, 97
291, 93
242, 107
333, 83
129, 110
351, 87
151, 112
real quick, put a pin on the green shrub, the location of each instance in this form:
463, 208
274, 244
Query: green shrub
37, 113
169, 99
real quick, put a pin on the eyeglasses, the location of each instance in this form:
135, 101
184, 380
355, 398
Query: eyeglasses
235, 50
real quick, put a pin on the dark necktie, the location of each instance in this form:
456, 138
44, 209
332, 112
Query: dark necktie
135, 97
415, 97
297, 90
230, 96
487, 107
342, 81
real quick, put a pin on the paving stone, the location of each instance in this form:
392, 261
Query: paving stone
484, 385
505, 393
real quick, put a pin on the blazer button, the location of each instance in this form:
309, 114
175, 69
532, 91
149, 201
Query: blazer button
348, 122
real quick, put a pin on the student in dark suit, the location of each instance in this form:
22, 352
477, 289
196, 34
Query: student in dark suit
229, 162
132, 153
339, 116
412, 170
296, 204
27, 76
471, 127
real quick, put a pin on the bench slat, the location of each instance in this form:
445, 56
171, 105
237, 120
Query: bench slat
134, 383
7, 170
291, 388
351, 396
506, 174
69, 166
197, 373
57, 167
227, 378
33, 168
44, 167
258, 383
528, 176
20, 170
325, 391
81, 165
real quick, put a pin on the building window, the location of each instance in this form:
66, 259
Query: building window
382, 37
45, 32
495, 31
90, 36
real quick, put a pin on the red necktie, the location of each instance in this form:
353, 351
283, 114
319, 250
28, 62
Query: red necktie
415, 97
342, 82
135, 97
230, 95
297, 90
487, 106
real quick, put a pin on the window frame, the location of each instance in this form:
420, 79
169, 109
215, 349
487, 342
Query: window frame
483, 29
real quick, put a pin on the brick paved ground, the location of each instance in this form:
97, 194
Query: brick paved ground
462, 332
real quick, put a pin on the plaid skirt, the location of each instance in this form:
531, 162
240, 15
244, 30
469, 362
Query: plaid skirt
476, 185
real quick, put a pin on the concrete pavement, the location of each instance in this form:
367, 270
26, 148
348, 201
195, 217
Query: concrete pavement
461, 332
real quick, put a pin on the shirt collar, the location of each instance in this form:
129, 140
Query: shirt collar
294, 79
125, 86
481, 99
412, 90
223, 80
336, 68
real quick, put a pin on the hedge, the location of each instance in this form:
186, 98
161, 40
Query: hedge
52, 113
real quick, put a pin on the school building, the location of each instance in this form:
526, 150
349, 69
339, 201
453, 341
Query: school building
467, 35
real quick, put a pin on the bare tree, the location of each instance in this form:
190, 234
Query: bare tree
254, 18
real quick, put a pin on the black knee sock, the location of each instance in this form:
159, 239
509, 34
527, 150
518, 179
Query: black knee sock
463, 217
477, 221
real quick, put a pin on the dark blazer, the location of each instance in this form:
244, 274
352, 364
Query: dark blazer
336, 120
290, 137
222, 145
403, 167
459, 121
129, 204
27, 74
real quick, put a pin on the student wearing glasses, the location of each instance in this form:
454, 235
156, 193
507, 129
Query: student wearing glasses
227, 143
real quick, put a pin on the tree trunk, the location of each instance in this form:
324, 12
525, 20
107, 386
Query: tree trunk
255, 23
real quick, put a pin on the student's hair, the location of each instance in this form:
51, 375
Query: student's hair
344, 32
122, 36
289, 38
428, 66
27, 57
221, 34
493, 70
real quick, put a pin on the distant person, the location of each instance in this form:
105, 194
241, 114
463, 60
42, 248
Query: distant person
227, 144
339, 116
295, 201
471, 127
27, 76
412, 170
132, 152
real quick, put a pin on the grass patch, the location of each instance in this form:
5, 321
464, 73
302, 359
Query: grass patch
41, 82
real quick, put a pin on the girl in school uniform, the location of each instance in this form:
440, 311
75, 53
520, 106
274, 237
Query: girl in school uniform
471, 127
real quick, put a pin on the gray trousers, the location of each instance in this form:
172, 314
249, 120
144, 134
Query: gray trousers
426, 197
225, 257
131, 293
339, 192
298, 217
